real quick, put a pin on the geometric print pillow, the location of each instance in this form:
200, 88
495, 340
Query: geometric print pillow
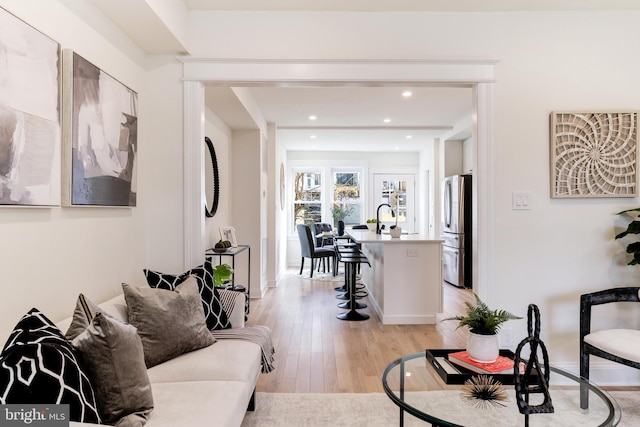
39, 366
215, 316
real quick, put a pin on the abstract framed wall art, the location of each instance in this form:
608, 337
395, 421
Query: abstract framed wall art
594, 154
29, 115
100, 117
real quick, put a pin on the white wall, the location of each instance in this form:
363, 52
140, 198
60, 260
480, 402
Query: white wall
467, 155
50, 255
220, 135
247, 201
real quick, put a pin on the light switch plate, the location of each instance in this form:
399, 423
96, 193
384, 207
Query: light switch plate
521, 200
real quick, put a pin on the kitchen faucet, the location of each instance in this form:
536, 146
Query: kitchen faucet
378, 229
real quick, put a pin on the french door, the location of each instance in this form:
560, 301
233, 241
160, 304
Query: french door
398, 190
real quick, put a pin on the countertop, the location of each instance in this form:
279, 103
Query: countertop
366, 236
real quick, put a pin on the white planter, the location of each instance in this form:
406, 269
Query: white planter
372, 226
395, 232
483, 348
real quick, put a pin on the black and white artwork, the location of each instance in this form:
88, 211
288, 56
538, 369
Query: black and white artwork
29, 115
102, 115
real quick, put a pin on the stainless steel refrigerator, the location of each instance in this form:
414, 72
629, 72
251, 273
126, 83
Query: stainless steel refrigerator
456, 230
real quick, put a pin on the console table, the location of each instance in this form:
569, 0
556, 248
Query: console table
232, 252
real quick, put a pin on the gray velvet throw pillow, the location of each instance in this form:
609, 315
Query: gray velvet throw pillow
169, 323
83, 313
111, 353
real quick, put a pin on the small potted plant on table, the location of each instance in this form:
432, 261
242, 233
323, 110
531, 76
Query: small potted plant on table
484, 324
221, 274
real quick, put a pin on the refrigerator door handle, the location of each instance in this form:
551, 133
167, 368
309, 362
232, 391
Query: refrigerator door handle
447, 203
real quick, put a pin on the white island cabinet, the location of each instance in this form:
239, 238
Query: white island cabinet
404, 280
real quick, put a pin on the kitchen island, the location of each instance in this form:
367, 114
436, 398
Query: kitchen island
404, 280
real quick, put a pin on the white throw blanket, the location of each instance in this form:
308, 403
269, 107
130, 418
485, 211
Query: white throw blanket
258, 334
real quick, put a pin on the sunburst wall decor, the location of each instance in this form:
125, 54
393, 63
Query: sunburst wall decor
594, 154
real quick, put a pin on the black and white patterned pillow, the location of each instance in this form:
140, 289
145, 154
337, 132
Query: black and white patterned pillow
38, 365
214, 314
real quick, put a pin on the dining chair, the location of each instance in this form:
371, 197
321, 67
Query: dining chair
618, 345
308, 248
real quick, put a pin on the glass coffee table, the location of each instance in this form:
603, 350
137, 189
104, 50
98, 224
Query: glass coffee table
413, 384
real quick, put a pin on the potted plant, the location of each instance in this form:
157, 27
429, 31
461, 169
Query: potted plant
484, 324
340, 212
633, 228
221, 274
371, 224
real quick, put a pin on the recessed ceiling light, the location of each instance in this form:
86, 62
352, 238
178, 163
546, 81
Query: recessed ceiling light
312, 117
313, 147
409, 136
313, 136
387, 120
397, 148
407, 94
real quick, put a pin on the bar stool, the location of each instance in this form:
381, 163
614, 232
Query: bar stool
357, 289
351, 263
353, 252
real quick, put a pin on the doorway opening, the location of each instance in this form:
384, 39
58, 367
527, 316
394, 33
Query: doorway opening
477, 74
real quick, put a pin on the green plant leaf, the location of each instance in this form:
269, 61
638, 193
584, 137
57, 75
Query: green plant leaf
632, 228
481, 319
629, 210
221, 274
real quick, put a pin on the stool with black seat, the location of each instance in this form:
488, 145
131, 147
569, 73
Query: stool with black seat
347, 248
351, 261
308, 248
345, 288
343, 243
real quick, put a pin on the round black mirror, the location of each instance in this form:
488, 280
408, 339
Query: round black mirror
211, 180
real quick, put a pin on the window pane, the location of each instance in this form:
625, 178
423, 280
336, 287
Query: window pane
346, 185
307, 205
346, 198
395, 194
307, 186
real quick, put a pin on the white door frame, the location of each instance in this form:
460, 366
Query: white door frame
478, 74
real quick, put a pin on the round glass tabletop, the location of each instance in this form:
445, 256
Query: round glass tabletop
413, 384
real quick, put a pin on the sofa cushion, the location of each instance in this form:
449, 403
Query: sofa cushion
111, 352
213, 311
232, 360
200, 403
169, 323
38, 365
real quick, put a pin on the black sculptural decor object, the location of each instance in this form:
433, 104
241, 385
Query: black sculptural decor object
535, 378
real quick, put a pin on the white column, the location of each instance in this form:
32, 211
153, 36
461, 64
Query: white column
193, 183
483, 185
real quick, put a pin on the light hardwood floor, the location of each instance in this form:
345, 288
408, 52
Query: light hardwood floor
318, 353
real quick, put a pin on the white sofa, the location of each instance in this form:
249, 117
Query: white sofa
213, 386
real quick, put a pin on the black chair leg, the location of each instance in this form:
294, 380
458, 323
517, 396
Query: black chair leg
584, 373
301, 265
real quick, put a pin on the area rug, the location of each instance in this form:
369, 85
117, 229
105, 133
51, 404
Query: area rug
323, 277
377, 410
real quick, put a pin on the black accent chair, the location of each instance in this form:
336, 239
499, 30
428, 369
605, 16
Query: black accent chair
308, 248
618, 345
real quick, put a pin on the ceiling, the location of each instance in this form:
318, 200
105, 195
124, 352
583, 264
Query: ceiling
411, 5
351, 118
